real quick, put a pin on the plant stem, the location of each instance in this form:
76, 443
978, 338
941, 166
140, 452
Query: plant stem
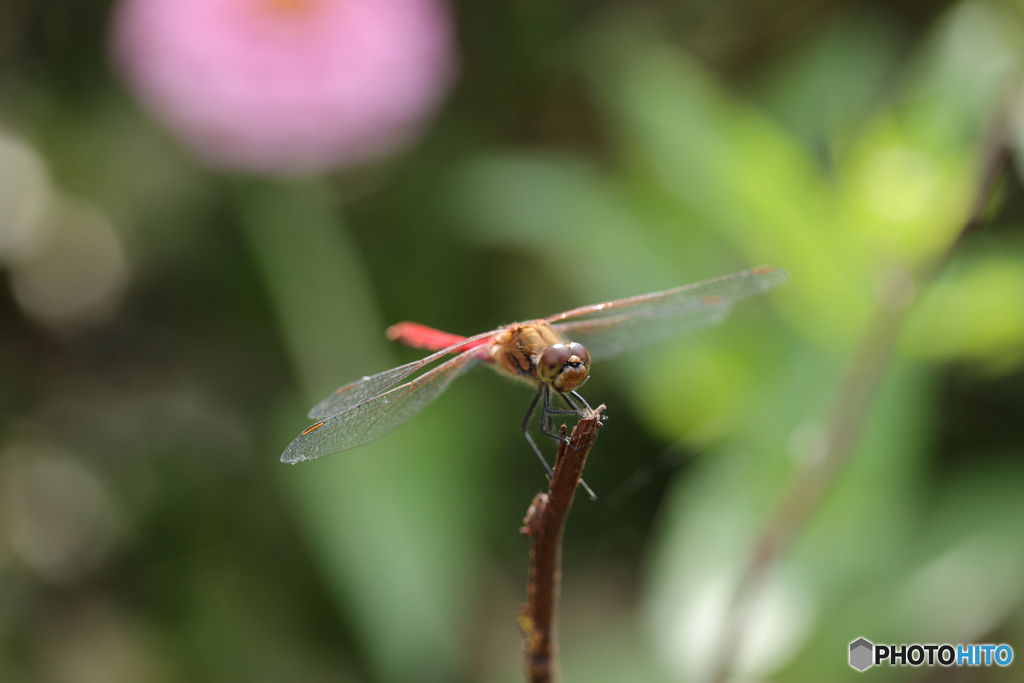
544, 523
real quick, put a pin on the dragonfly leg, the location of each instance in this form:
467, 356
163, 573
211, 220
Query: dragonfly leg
545, 422
572, 404
576, 409
526, 431
546, 427
582, 400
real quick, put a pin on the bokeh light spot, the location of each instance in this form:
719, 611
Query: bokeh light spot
80, 276
25, 195
58, 517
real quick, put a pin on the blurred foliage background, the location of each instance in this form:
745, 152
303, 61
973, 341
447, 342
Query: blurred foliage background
164, 336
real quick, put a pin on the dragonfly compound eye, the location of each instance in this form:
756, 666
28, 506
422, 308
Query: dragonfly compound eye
551, 362
580, 351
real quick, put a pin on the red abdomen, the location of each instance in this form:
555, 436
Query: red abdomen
422, 337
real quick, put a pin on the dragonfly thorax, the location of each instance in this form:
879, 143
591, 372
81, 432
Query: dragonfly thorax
534, 352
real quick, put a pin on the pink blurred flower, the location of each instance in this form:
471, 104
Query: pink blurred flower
287, 85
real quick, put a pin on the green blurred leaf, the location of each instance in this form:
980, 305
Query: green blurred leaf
393, 523
746, 180
825, 88
975, 313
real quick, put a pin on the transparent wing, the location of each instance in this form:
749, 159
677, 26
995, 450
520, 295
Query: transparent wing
376, 417
616, 327
361, 390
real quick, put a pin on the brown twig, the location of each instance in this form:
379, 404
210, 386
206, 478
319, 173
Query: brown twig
809, 485
544, 523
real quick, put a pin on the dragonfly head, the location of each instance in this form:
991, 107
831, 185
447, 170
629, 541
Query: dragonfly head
564, 366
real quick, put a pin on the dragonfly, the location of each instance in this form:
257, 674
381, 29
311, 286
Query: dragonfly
552, 354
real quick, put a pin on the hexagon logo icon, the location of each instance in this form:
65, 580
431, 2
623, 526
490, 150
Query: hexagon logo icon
861, 651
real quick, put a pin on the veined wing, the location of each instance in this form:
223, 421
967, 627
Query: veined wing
615, 327
376, 417
364, 389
